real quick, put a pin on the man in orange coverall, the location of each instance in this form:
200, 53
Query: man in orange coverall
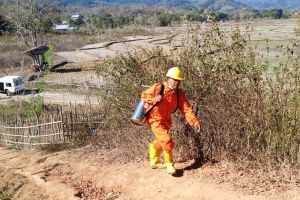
159, 118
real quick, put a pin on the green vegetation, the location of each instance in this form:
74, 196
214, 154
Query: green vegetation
23, 108
49, 60
271, 14
34, 108
201, 16
30, 19
164, 17
106, 20
5, 27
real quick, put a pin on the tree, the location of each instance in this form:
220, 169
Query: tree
277, 13
5, 27
165, 19
30, 19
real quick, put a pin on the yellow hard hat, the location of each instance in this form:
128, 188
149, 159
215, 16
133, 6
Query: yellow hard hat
175, 73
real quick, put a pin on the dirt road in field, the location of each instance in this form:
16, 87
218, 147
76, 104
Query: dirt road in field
55, 97
87, 174
110, 49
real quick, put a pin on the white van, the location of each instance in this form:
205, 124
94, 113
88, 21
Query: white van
11, 85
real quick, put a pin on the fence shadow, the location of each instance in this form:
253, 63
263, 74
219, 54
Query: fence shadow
29, 92
67, 70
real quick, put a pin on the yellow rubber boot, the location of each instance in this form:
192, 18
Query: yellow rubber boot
154, 158
169, 162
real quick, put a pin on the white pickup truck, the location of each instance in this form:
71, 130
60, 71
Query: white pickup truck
11, 85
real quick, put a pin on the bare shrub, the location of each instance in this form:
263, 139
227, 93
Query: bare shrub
246, 112
126, 74
249, 108
281, 103
223, 79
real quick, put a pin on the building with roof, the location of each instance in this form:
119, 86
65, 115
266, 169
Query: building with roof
76, 17
64, 28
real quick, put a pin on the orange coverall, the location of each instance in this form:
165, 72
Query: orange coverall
159, 119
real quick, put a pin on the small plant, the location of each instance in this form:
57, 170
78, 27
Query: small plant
24, 108
5, 194
37, 104
35, 108
14, 146
49, 60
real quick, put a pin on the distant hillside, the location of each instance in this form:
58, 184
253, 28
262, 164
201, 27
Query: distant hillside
215, 5
268, 4
218, 5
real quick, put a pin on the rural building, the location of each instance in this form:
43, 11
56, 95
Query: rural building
76, 17
64, 28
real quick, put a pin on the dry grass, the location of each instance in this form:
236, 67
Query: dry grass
245, 115
67, 42
10, 183
253, 179
12, 50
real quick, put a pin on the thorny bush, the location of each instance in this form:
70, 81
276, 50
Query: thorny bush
249, 108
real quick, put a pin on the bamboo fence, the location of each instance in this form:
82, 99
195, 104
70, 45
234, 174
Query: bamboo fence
56, 127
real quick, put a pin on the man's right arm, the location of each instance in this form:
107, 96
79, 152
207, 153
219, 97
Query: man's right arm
149, 95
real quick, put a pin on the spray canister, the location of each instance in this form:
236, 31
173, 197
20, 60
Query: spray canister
138, 114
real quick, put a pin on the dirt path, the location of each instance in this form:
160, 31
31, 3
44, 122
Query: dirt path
80, 174
110, 49
56, 97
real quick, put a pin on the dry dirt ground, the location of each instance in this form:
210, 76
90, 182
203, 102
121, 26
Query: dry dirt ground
87, 174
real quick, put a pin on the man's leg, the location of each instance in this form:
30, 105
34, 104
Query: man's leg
155, 158
164, 141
